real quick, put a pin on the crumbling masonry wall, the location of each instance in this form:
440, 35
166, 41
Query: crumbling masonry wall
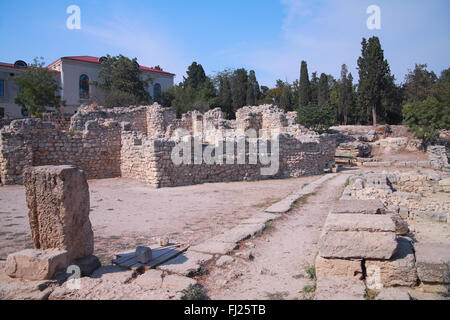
137, 142
147, 157
32, 142
136, 116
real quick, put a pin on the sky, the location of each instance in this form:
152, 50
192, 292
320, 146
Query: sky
268, 36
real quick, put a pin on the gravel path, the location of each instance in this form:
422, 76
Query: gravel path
281, 255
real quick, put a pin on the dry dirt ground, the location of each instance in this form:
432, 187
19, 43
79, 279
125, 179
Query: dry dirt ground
283, 254
126, 213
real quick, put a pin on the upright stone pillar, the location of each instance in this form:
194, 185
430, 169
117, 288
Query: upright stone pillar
58, 203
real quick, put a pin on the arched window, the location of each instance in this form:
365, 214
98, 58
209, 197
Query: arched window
157, 92
84, 87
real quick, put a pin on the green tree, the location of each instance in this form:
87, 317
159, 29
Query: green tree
323, 90
122, 80
374, 75
391, 103
345, 101
263, 97
239, 88
286, 98
225, 98
419, 83
196, 91
441, 89
314, 87
39, 89
253, 91
304, 87
274, 96
316, 117
196, 76
426, 117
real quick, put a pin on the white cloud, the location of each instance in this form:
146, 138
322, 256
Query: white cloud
328, 33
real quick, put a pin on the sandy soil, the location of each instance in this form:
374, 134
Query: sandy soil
281, 256
126, 213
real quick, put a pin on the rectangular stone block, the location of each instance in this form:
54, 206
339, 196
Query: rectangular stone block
58, 203
31, 264
357, 244
186, 264
239, 233
339, 288
400, 270
338, 267
433, 262
214, 247
359, 222
359, 206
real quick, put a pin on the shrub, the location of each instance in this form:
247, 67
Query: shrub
194, 292
426, 117
316, 117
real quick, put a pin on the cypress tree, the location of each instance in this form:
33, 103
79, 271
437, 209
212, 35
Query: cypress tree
323, 94
286, 98
304, 88
239, 88
225, 99
196, 76
253, 92
314, 87
374, 75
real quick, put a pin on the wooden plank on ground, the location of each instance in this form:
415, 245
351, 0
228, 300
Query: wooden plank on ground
159, 256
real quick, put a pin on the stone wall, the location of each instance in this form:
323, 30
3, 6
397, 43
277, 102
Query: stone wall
140, 146
4, 122
136, 116
410, 189
149, 160
32, 142
60, 120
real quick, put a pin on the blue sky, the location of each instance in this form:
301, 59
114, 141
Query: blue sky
269, 36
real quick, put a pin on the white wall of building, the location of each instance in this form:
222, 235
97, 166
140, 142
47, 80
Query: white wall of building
69, 81
70, 77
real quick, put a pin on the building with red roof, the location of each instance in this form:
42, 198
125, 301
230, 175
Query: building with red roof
76, 75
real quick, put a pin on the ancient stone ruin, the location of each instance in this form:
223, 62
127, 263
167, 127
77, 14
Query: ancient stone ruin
138, 143
58, 203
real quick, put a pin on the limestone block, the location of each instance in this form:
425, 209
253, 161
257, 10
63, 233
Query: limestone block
176, 282
357, 244
403, 212
143, 254
58, 203
393, 294
150, 280
31, 264
359, 222
239, 233
359, 206
338, 267
214, 247
400, 270
433, 262
186, 264
339, 288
